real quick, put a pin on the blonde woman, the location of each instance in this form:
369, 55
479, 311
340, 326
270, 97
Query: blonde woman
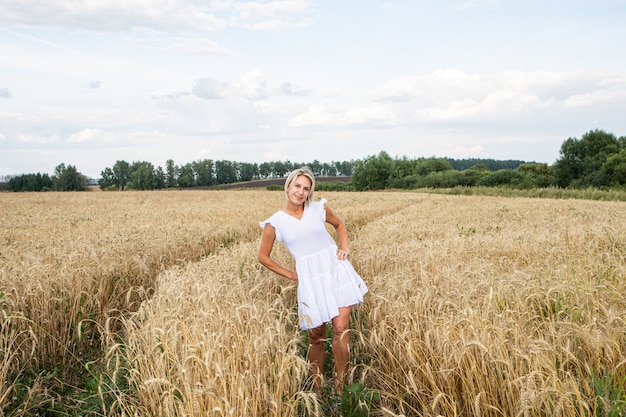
328, 285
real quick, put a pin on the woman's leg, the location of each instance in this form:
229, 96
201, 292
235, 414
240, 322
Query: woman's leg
317, 336
341, 346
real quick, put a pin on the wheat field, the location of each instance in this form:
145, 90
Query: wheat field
478, 306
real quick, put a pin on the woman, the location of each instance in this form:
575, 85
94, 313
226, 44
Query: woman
328, 285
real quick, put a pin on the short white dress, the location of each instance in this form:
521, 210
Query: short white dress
324, 283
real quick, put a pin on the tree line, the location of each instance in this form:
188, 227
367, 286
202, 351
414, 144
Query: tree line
65, 178
597, 159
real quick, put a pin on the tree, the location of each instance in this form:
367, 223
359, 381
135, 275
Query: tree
426, 166
581, 160
67, 178
373, 173
265, 170
225, 172
142, 176
121, 174
186, 177
540, 174
248, 172
30, 182
159, 177
171, 175
281, 169
107, 178
614, 169
204, 172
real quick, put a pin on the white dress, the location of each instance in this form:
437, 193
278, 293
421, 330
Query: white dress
324, 282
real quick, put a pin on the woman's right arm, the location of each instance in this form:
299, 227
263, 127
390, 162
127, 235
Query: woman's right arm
265, 250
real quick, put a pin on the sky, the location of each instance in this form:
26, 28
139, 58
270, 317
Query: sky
88, 83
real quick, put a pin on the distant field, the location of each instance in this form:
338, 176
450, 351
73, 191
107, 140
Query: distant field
154, 304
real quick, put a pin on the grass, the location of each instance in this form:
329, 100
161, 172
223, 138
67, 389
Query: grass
153, 303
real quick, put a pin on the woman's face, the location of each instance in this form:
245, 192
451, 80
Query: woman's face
299, 190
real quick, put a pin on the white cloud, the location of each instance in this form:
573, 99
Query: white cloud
275, 15
209, 88
253, 85
92, 135
291, 89
38, 139
447, 95
373, 113
5, 93
157, 15
184, 44
316, 114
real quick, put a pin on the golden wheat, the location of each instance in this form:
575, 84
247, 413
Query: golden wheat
483, 306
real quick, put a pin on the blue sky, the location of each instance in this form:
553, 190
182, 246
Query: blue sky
90, 83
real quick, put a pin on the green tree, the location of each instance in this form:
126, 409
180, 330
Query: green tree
186, 176
329, 169
265, 170
142, 176
107, 178
159, 177
67, 178
225, 172
614, 169
400, 170
280, 169
171, 174
581, 160
540, 174
426, 166
121, 174
204, 172
373, 173
248, 171
30, 182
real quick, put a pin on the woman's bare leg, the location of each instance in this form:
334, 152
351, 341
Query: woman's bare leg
317, 336
341, 346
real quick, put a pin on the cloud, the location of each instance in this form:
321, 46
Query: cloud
90, 135
210, 89
184, 44
290, 89
253, 85
5, 93
94, 84
448, 95
160, 16
275, 15
38, 139
373, 113
318, 115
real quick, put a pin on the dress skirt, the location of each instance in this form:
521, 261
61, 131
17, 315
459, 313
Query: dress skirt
324, 285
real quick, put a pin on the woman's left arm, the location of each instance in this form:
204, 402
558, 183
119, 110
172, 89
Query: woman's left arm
342, 232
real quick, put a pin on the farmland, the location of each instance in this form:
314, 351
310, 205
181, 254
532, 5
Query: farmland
154, 304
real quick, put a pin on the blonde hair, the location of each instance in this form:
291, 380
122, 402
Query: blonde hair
303, 171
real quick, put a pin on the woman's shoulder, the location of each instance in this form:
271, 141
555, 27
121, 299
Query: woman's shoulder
273, 219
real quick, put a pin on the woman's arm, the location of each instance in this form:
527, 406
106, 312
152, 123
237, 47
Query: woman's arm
342, 232
265, 250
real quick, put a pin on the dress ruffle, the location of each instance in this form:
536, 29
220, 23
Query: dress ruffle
324, 285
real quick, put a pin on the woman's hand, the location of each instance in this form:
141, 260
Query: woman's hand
342, 254
293, 276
